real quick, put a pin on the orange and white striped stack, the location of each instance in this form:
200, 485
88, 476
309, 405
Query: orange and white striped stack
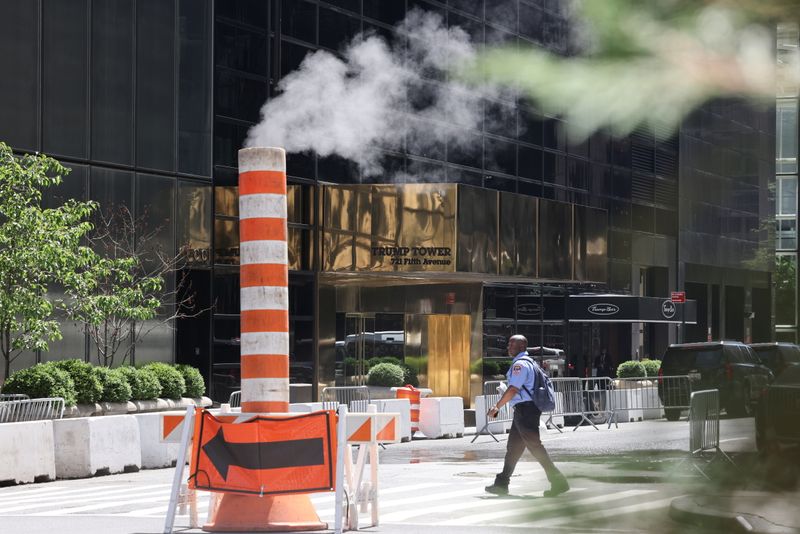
264, 280
413, 395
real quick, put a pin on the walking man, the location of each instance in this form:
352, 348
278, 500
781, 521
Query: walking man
525, 426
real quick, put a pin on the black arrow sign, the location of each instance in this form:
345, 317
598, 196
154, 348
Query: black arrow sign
268, 455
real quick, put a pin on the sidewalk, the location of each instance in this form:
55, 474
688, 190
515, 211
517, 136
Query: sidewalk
741, 511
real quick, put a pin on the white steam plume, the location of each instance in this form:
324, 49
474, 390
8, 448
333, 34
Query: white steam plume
378, 96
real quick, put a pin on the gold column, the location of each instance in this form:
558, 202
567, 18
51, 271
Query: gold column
448, 355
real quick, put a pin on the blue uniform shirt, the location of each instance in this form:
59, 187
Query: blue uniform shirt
520, 374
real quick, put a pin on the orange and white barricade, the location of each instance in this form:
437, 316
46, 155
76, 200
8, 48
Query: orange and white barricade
413, 395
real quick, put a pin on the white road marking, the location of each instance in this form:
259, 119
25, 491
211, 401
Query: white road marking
600, 514
730, 439
492, 516
20, 496
99, 506
92, 496
398, 517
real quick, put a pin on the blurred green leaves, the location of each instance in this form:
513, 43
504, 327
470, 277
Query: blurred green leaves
648, 63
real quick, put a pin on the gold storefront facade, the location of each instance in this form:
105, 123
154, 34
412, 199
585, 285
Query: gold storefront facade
400, 270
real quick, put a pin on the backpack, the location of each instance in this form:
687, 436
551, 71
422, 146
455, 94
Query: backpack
544, 396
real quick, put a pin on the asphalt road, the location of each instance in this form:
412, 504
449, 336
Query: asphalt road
623, 480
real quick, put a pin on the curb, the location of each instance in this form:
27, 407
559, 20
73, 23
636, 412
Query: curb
686, 510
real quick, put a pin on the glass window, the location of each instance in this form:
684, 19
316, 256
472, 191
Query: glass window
500, 156
291, 56
251, 12
19, 64
111, 188
785, 289
299, 20
65, 82
155, 84
228, 139
73, 186
154, 214
336, 29
194, 86
787, 193
239, 96
530, 163
529, 126
786, 135
788, 34
787, 234
194, 222
387, 12
241, 49
112, 81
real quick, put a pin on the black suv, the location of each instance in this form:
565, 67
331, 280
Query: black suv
729, 366
777, 356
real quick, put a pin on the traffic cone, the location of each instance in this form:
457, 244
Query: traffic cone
249, 513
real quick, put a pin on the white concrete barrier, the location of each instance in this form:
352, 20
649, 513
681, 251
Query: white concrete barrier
305, 407
155, 453
27, 452
89, 446
401, 406
442, 417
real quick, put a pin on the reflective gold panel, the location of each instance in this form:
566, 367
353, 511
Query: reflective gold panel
226, 201
194, 223
517, 234
226, 241
448, 340
477, 230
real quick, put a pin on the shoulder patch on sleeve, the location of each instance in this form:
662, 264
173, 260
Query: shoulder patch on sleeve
517, 369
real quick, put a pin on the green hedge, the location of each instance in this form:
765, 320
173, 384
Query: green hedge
88, 388
372, 362
195, 385
651, 367
173, 386
143, 382
631, 369
115, 385
42, 381
386, 374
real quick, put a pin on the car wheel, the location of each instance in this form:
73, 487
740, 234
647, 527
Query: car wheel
672, 414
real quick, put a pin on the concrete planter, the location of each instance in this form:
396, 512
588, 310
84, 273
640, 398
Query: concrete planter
26, 452
132, 407
90, 446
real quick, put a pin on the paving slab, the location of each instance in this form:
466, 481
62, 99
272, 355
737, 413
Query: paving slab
742, 511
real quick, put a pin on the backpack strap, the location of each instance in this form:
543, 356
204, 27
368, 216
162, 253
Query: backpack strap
535, 374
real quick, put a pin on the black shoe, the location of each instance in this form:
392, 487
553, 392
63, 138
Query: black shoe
497, 489
557, 487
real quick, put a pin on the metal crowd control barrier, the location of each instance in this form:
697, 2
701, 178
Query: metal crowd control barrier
13, 396
635, 396
704, 426
235, 400
492, 394
356, 398
586, 398
16, 411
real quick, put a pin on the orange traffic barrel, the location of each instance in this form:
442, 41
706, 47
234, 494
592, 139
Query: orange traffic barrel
413, 395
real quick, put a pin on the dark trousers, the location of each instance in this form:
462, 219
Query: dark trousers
525, 434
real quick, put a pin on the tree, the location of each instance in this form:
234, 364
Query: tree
38, 247
634, 64
126, 286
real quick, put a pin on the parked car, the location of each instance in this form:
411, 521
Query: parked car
552, 360
778, 413
729, 366
777, 356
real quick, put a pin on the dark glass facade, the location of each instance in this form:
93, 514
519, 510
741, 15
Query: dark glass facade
150, 100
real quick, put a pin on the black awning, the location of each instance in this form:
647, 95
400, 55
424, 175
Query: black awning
629, 309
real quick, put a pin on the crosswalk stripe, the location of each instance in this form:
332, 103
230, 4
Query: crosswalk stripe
319, 499
109, 494
44, 493
477, 518
454, 507
601, 514
99, 506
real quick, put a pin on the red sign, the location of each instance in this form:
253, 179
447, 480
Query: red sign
678, 296
265, 455
451, 298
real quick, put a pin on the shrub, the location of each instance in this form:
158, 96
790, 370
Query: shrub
195, 385
372, 362
42, 381
630, 369
350, 366
143, 382
385, 374
503, 365
476, 367
88, 388
115, 385
490, 368
172, 384
409, 376
651, 367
